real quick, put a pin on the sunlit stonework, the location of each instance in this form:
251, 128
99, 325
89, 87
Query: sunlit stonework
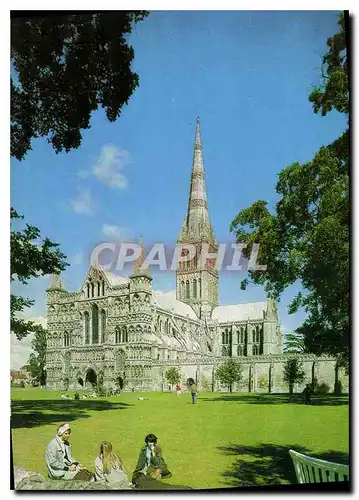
125, 333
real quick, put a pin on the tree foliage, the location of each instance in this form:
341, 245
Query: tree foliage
30, 257
306, 237
229, 372
67, 66
333, 93
173, 376
37, 359
293, 373
294, 343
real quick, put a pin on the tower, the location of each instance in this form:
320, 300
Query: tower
197, 280
139, 324
140, 284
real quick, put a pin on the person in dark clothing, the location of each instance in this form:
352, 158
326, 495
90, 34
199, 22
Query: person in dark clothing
307, 393
150, 462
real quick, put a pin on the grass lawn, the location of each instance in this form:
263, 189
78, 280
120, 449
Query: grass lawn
223, 441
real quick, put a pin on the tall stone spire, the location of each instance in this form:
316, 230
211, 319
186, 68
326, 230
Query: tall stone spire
196, 281
197, 226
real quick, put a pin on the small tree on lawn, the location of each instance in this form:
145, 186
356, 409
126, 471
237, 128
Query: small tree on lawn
173, 376
293, 373
37, 359
229, 372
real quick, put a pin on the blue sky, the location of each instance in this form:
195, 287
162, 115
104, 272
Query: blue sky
248, 76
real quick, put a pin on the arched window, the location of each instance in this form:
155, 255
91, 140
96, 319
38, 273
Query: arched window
224, 350
187, 289
182, 288
238, 337
92, 289
228, 336
66, 339
254, 335
88, 290
195, 289
124, 335
87, 327
98, 289
200, 287
257, 335
103, 288
242, 335
95, 324
103, 325
255, 350
239, 351
117, 335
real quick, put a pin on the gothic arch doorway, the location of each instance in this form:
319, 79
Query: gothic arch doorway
91, 378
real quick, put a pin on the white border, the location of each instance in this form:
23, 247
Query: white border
4, 193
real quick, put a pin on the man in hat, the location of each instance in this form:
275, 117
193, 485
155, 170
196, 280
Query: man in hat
59, 461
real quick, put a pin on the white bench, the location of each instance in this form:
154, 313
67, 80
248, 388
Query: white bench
313, 470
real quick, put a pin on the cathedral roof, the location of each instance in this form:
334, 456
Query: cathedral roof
240, 312
168, 301
114, 279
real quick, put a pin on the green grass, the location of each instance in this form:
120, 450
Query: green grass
223, 441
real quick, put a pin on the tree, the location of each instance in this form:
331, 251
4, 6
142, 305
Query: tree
173, 376
37, 359
229, 372
293, 373
305, 238
30, 259
294, 343
65, 67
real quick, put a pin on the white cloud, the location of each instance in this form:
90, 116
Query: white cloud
20, 350
110, 231
109, 166
84, 203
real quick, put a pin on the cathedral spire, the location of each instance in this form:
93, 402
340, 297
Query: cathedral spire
140, 260
197, 281
197, 224
56, 281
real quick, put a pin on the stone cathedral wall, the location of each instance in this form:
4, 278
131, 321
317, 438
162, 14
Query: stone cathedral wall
260, 374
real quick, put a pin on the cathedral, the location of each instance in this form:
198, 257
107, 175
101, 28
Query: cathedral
123, 333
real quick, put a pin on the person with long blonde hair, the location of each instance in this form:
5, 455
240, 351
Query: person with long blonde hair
109, 467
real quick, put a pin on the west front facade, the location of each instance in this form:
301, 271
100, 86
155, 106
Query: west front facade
122, 332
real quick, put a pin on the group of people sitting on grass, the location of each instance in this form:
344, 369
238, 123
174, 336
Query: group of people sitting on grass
108, 466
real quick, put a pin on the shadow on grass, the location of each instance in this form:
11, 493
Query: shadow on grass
266, 399
33, 413
269, 464
149, 484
